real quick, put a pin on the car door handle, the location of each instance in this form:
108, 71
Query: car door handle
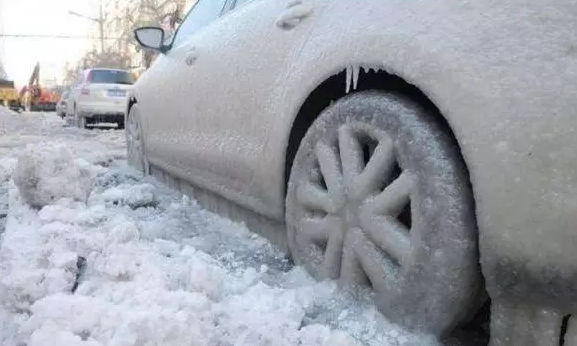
295, 12
191, 57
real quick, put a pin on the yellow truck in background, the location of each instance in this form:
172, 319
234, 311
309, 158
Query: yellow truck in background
9, 97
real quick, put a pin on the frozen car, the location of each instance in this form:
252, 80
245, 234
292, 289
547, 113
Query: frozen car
425, 149
99, 96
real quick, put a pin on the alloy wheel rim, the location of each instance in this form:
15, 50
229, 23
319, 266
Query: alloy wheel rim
356, 200
134, 139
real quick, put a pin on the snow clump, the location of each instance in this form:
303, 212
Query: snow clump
44, 175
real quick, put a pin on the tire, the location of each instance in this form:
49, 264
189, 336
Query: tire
134, 141
404, 225
79, 121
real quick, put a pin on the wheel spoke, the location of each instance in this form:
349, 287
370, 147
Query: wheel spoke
133, 137
131, 130
351, 270
362, 260
351, 154
134, 128
388, 234
314, 197
393, 199
376, 266
377, 169
317, 229
334, 254
330, 167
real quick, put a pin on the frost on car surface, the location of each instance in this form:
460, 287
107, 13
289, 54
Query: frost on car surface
239, 95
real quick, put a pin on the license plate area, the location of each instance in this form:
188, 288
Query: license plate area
115, 93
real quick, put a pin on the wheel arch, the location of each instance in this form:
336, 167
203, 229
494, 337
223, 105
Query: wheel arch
335, 87
131, 102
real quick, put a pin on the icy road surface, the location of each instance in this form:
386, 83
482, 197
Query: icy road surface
139, 264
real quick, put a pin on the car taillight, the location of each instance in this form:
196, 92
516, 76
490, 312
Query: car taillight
85, 91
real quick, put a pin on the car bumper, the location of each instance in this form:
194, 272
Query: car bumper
100, 109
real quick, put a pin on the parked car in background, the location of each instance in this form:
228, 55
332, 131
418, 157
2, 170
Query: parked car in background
61, 105
412, 147
99, 96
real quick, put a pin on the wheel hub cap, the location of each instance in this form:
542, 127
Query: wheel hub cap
352, 204
134, 142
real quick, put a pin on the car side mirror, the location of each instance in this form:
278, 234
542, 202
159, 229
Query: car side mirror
151, 37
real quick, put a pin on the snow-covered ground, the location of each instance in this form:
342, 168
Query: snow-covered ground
109, 257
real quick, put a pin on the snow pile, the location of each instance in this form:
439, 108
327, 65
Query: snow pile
134, 291
123, 261
44, 174
134, 196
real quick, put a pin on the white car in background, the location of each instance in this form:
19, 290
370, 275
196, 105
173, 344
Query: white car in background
423, 149
99, 96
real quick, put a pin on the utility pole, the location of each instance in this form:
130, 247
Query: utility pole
100, 20
101, 27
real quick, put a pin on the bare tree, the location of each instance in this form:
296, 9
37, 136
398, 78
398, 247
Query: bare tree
151, 12
94, 59
135, 14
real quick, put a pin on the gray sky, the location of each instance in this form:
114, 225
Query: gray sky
47, 18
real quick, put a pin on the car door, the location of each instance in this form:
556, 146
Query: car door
236, 65
163, 92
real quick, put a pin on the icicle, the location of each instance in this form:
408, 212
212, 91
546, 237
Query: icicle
356, 71
348, 80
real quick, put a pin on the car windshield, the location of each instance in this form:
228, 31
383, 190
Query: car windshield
110, 77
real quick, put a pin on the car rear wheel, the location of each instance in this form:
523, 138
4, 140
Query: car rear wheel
134, 140
379, 196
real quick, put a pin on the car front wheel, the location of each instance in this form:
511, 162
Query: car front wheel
134, 140
379, 196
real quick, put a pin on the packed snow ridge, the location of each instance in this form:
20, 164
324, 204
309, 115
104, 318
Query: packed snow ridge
93, 253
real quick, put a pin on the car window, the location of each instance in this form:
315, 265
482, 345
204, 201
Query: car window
201, 14
110, 77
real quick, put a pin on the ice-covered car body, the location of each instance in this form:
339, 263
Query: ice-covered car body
224, 108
